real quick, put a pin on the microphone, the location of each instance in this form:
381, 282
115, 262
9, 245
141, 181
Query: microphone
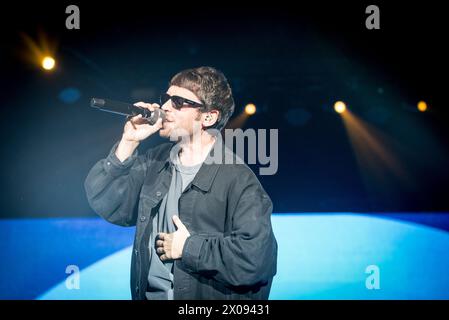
127, 109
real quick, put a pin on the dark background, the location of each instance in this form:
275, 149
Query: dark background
292, 60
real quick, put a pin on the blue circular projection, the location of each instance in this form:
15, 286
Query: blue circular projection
321, 256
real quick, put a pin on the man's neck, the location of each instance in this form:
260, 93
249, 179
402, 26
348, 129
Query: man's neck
196, 149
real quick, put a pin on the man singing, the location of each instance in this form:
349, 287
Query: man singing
203, 228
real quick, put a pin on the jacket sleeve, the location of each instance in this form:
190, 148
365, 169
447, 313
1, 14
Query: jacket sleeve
248, 255
113, 187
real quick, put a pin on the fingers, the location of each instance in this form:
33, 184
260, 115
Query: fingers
154, 106
142, 104
149, 106
161, 251
139, 120
163, 257
134, 120
160, 246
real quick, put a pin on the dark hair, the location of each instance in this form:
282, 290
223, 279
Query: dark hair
212, 89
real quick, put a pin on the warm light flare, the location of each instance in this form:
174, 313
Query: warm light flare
422, 106
250, 109
48, 63
340, 106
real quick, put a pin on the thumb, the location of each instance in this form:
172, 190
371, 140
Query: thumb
178, 223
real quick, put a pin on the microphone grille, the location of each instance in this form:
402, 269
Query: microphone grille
160, 114
155, 115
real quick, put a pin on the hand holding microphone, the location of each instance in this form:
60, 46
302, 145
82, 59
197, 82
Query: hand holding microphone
138, 128
144, 120
128, 109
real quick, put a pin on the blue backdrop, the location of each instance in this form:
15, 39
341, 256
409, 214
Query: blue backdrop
321, 256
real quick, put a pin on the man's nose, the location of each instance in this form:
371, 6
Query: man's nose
166, 106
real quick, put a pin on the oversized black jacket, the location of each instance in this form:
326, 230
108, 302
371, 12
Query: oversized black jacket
231, 252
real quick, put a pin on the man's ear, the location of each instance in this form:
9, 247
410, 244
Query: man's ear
210, 118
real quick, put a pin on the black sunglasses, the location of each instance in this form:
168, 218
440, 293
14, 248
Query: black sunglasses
178, 102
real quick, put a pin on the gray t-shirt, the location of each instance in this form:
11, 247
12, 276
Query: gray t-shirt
160, 276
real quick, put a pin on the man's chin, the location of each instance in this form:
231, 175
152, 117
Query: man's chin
169, 134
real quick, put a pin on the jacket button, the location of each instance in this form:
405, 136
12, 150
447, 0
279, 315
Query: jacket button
158, 194
108, 163
136, 252
142, 218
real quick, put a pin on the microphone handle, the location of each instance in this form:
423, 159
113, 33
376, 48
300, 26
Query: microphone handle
126, 109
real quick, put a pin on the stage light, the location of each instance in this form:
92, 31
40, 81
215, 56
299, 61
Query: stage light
48, 63
422, 106
250, 109
340, 107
